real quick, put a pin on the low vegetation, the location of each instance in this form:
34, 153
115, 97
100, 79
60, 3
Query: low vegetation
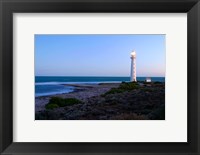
56, 102
51, 106
147, 89
129, 101
129, 116
124, 86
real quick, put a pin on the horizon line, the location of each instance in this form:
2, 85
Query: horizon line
90, 76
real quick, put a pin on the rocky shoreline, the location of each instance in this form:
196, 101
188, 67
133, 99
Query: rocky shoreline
108, 101
82, 92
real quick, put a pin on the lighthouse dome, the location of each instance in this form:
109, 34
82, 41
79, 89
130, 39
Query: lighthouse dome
133, 54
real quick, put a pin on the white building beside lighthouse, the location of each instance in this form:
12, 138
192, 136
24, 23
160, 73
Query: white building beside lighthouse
133, 67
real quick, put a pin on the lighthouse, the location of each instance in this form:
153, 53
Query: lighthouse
133, 67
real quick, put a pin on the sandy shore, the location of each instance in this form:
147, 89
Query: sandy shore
82, 92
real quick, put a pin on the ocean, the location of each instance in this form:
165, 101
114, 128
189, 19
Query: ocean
50, 85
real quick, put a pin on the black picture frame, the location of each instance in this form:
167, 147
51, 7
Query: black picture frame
8, 7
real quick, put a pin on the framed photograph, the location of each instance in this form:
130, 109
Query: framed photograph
99, 77
87, 69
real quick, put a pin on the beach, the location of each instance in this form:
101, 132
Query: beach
82, 92
107, 101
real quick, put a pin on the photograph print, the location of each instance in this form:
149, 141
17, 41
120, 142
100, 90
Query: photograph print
100, 76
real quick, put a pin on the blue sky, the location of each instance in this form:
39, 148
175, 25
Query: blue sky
99, 55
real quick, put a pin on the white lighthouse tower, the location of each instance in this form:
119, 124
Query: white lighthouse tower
133, 66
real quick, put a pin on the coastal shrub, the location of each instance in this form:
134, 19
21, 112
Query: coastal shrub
51, 106
147, 89
159, 84
129, 85
41, 115
56, 102
71, 101
124, 86
61, 102
158, 114
113, 91
48, 115
129, 116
